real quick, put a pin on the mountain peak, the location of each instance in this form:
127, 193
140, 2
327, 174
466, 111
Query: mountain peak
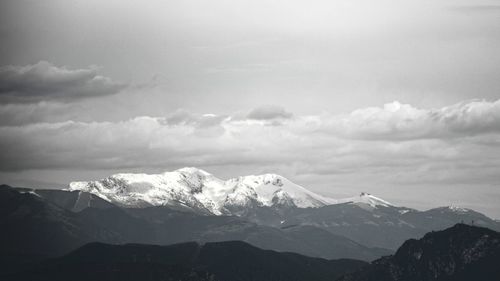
457, 209
266, 179
366, 199
198, 189
193, 170
272, 175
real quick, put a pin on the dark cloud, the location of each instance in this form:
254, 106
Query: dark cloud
45, 82
269, 112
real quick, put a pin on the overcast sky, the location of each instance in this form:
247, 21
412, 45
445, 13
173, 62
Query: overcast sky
397, 98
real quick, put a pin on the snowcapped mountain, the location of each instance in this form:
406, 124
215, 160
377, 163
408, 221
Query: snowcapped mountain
366, 200
199, 190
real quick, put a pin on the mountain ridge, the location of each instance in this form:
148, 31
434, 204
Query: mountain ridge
459, 253
231, 260
365, 219
48, 225
199, 190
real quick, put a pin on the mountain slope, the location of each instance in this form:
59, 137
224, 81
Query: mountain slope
314, 238
33, 229
382, 226
461, 252
211, 261
73, 201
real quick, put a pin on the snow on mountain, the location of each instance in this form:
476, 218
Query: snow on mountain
197, 189
366, 200
457, 209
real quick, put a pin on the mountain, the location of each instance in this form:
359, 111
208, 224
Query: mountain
72, 200
199, 190
36, 226
383, 226
267, 200
366, 200
274, 201
222, 261
460, 253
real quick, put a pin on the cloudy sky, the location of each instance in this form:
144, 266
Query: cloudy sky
397, 98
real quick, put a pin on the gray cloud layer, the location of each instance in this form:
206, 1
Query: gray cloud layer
392, 151
396, 133
45, 82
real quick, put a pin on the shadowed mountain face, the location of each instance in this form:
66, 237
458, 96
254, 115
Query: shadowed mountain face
384, 226
190, 261
32, 227
339, 230
44, 224
461, 252
75, 200
35, 227
365, 219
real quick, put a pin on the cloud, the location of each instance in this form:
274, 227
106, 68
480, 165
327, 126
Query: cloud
397, 121
44, 81
269, 112
395, 135
208, 125
184, 117
28, 113
393, 147
396, 145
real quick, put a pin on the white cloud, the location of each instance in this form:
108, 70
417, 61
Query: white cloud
402, 121
394, 136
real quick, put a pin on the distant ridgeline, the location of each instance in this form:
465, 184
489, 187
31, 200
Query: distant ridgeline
458, 253
190, 205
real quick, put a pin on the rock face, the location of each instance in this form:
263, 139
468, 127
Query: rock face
461, 252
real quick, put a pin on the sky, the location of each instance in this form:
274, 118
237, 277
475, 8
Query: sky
400, 99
